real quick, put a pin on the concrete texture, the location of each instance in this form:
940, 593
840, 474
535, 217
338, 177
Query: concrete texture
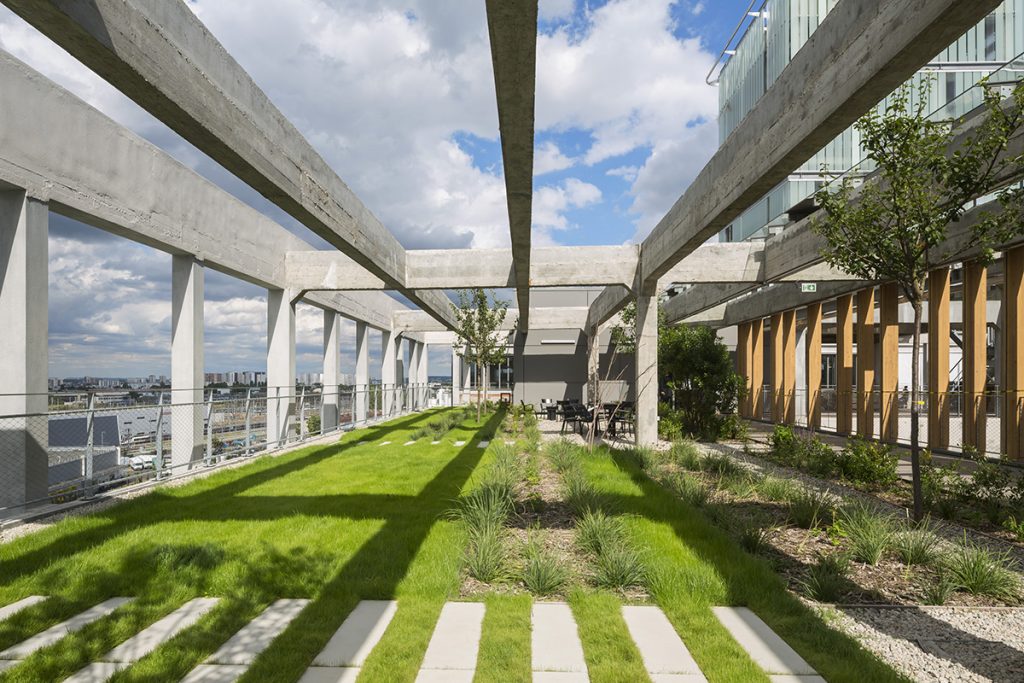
362, 371
390, 345
456, 638
58, 631
24, 265
661, 648
330, 674
352, 643
187, 380
329, 415
541, 318
646, 370
280, 365
767, 649
556, 642
147, 640
215, 673
256, 636
10, 610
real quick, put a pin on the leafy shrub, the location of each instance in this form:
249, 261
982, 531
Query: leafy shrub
543, 573
937, 488
870, 532
685, 454
868, 464
784, 445
596, 531
826, 578
917, 545
981, 571
670, 426
619, 566
810, 509
988, 487
1014, 527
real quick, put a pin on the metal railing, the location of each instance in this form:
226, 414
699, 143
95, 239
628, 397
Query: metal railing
93, 441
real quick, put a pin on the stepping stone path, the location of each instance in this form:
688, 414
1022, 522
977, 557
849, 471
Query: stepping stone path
351, 644
434, 443
765, 647
385, 443
451, 655
408, 443
24, 603
227, 664
144, 642
483, 444
460, 443
665, 656
557, 650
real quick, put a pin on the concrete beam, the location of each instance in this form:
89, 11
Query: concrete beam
781, 297
543, 318
700, 298
187, 280
160, 55
607, 304
512, 27
859, 54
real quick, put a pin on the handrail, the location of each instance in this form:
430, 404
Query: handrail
746, 15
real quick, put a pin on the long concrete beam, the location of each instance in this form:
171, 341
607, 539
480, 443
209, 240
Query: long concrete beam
701, 297
743, 262
542, 318
159, 54
90, 168
512, 27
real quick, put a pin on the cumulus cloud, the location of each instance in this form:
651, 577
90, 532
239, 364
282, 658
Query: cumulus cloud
554, 10
550, 203
549, 158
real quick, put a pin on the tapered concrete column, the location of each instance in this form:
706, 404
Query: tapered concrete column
743, 365
812, 358
188, 444
938, 358
423, 374
332, 372
646, 359
24, 464
889, 373
390, 345
975, 329
777, 370
593, 358
757, 368
789, 366
866, 362
280, 365
1013, 353
844, 364
457, 378
362, 370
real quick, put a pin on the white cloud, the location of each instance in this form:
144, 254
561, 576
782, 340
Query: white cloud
550, 204
549, 158
554, 10
627, 173
697, 8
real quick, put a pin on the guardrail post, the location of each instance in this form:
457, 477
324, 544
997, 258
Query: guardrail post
303, 432
209, 430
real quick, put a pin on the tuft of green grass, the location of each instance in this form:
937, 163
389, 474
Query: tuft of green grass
870, 532
981, 571
484, 508
721, 465
917, 545
811, 509
686, 455
619, 566
691, 490
937, 592
777, 489
597, 531
579, 493
487, 554
754, 539
543, 573
564, 455
826, 578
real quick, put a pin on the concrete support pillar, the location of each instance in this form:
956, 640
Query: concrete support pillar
844, 364
188, 444
777, 370
593, 360
646, 360
457, 378
743, 366
866, 362
757, 368
24, 441
889, 373
789, 366
362, 370
410, 379
280, 366
813, 366
975, 329
390, 345
423, 374
1013, 353
332, 372
938, 358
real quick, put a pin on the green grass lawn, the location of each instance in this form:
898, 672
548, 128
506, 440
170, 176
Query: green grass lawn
344, 522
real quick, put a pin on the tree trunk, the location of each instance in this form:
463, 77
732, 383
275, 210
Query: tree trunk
480, 379
915, 392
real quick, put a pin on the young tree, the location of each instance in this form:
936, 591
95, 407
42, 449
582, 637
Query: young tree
479, 342
889, 228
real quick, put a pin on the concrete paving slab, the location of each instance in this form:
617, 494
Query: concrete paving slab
483, 444
765, 647
15, 607
677, 678
408, 443
661, 648
445, 676
456, 639
560, 677
97, 672
58, 631
254, 637
6, 664
434, 443
352, 643
151, 637
330, 674
460, 443
787, 678
385, 443
555, 639
215, 673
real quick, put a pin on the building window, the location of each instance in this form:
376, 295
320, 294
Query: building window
990, 38
950, 87
828, 371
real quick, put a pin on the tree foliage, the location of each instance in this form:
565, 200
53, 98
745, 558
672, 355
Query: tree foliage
478, 319
697, 367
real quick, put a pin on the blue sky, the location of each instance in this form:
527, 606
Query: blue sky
398, 96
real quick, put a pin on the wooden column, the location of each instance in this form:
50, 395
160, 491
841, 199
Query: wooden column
975, 329
938, 358
1013, 352
889, 373
757, 369
866, 362
778, 371
813, 366
789, 366
844, 364
743, 365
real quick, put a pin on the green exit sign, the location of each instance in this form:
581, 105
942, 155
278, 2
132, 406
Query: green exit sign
808, 286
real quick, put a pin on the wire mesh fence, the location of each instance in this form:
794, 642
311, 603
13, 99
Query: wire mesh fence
86, 442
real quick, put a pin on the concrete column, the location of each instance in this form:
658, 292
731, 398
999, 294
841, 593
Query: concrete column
280, 365
938, 358
1013, 353
743, 365
975, 330
789, 366
844, 364
390, 345
757, 368
889, 374
188, 444
457, 378
24, 441
423, 376
777, 369
332, 371
646, 360
813, 367
593, 360
362, 370
866, 362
